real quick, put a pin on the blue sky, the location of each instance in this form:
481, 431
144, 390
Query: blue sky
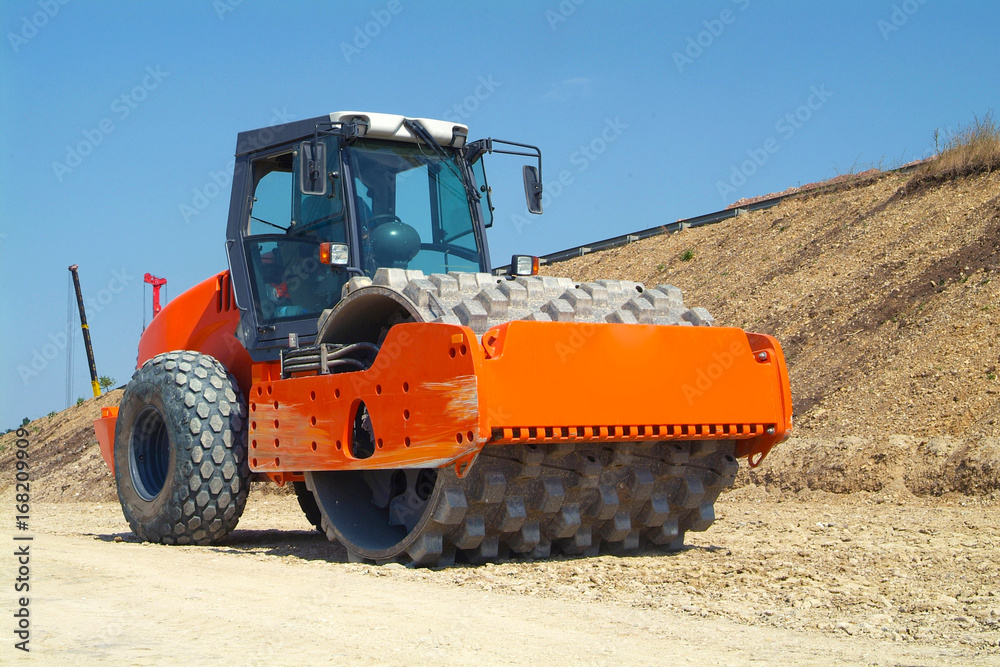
119, 117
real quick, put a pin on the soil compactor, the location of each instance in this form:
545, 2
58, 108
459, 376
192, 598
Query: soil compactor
360, 348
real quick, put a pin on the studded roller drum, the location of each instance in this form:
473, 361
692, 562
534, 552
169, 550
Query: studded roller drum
518, 500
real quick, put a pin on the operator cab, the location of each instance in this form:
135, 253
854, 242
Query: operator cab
388, 191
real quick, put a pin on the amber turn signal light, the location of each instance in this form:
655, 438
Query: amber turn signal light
523, 265
334, 254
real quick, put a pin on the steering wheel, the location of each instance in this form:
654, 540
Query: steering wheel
464, 253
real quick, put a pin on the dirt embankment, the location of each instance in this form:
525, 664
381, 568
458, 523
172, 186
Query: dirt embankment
886, 298
64, 457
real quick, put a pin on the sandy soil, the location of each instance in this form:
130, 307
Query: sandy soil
819, 579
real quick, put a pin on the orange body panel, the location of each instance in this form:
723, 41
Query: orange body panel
550, 375
436, 395
105, 430
423, 402
204, 319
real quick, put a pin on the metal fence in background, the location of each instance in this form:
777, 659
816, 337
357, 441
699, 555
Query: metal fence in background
688, 223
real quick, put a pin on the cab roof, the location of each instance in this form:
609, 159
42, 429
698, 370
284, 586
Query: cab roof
379, 126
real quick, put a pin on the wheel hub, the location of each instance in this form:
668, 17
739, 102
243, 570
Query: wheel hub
149, 453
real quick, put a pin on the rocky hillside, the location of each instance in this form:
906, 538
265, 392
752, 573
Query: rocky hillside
65, 461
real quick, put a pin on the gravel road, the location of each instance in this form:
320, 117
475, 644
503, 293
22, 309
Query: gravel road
812, 578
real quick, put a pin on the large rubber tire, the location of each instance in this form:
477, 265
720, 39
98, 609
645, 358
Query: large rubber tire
181, 450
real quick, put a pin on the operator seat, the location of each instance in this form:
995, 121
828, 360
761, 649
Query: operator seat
394, 244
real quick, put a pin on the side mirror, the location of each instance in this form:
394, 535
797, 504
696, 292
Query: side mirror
312, 168
532, 189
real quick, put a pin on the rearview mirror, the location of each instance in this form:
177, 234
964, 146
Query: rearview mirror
312, 168
532, 189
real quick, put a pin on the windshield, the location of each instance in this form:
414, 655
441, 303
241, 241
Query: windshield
412, 207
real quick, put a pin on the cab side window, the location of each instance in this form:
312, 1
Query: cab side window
284, 231
271, 210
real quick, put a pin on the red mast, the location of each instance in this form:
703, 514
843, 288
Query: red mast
157, 283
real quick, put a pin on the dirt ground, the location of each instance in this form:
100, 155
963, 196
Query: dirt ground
813, 578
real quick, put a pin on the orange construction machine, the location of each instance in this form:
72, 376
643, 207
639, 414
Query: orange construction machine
360, 348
